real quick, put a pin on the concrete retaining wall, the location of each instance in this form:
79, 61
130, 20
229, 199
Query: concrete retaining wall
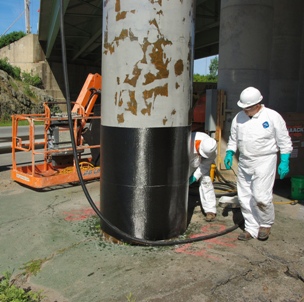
28, 55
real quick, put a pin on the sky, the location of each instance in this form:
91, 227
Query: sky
201, 66
12, 18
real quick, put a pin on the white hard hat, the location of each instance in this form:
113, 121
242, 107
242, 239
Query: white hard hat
249, 97
207, 147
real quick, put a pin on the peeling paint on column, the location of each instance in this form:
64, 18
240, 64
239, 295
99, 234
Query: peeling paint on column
117, 5
120, 118
179, 67
147, 110
148, 50
132, 104
121, 15
115, 98
132, 81
163, 91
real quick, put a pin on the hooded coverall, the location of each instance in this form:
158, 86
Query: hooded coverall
258, 140
200, 168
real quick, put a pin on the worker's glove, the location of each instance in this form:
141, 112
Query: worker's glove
283, 168
228, 159
192, 179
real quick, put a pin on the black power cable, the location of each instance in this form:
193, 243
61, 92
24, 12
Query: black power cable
123, 236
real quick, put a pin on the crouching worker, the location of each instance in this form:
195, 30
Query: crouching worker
202, 155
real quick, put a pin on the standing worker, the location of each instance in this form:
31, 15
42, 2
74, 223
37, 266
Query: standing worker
258, 133
202, 155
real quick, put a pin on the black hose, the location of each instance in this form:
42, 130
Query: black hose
123, 236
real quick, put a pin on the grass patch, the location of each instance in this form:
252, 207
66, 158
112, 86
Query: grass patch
8, 123
10, 292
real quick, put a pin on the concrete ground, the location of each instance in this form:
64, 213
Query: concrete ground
50, 240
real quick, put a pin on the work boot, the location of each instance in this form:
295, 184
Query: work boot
210, 217
245, 236
264, 233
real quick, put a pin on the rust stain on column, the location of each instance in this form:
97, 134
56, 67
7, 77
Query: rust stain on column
121, 15
132, 36
179, 67
154, 22
157, 59
160, 2
123, 34
132, 105
160, 90
107, 46
165, 120
117, 5
115, 98
147, 110
144, 50
148, 94
118, 100
136, 74
120, 103
120, 118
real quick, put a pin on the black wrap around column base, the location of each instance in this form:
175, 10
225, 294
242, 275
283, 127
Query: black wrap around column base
144, 181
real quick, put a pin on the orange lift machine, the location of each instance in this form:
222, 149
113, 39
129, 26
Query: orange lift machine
51, 160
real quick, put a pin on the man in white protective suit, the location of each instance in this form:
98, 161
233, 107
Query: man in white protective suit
202, 155
258, 133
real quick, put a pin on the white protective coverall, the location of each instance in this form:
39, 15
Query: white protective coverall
200, 168
258, 140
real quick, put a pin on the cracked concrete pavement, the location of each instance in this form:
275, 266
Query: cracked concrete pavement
58, 229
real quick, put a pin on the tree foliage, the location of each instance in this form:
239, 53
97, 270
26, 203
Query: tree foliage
33, 80
10, 38
13, 71
213, 67
213, 73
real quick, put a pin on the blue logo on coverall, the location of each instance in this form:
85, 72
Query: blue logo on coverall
265, 125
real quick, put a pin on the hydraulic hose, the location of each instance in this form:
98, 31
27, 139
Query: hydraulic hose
123, 236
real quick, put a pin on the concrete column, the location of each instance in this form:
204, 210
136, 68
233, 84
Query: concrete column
147, 71
300, 102
244, 50
286, 55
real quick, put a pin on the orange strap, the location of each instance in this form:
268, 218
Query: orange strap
197, 144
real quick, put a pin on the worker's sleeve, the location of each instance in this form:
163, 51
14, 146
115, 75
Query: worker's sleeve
282, 136
232, 141
204, 167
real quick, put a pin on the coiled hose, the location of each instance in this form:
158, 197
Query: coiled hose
124, 237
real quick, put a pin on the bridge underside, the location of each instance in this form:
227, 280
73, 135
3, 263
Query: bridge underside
83, 30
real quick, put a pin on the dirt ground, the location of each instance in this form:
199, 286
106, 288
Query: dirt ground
58, 229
